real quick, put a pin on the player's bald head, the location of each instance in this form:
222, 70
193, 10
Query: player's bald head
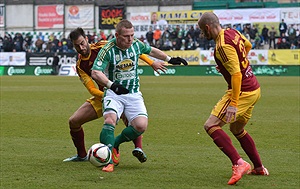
208, 18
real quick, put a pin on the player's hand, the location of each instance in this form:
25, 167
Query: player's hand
158, 65
119, 89
177, 61
230, 113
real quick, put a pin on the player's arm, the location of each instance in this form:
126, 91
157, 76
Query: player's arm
89, 84
247, 44
236, 83
101, 79
231, 110
232, 65
100, 64
156, 65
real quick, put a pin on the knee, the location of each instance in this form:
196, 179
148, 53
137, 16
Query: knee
109, 120
72, 122
236, 128
212, 121
140, 124
73, 125
207, 126
141, 128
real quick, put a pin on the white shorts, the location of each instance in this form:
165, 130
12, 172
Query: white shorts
131, 104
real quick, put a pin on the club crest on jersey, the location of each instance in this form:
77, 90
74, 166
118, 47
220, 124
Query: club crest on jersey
99, 63
125, 65
117, 58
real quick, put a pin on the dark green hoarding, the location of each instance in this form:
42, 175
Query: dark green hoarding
264, 70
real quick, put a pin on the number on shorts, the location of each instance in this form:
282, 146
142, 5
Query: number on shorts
108, 102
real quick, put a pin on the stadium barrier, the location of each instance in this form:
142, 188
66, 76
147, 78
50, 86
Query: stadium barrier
209, 70
201, 62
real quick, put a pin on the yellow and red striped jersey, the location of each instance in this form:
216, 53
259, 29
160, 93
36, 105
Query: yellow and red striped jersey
84, 66
231, 57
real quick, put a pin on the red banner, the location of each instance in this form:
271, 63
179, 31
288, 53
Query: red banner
110, 16
50, 16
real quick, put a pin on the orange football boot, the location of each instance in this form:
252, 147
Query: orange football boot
108, 168
264, 171
238, 171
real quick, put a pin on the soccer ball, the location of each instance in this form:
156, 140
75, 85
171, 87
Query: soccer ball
99, 155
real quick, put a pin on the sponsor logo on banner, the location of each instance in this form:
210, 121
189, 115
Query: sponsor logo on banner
50, 16
191, 56
67, 70
284, 57
110, 16
16, 71
290, 15
42, 71
34, 61
74, 12
230, 16
140, 71
258, 57
12, 58
80, 16
140, 18
269, 70
140, 22
175, 17
169, 71
46, 59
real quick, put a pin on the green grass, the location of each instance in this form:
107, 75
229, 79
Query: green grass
35, 136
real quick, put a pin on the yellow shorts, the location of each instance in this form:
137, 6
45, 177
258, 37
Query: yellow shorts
245, 107
97, 105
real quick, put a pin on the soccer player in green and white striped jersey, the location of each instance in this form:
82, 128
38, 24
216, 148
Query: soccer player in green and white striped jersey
116, 69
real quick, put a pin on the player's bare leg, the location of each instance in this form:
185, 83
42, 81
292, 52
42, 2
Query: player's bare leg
84, 114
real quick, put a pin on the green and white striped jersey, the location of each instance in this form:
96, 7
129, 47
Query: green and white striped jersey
121, 65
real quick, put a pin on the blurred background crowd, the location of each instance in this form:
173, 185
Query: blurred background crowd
165, 38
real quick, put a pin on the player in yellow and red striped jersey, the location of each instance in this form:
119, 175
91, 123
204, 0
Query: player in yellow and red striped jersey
236, 106
92, 108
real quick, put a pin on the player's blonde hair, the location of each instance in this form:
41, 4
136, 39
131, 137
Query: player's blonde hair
123, 24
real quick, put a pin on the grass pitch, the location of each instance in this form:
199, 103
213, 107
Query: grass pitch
35, 136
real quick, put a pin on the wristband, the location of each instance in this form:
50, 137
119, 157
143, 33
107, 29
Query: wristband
109, 83
150, 62
168, 58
